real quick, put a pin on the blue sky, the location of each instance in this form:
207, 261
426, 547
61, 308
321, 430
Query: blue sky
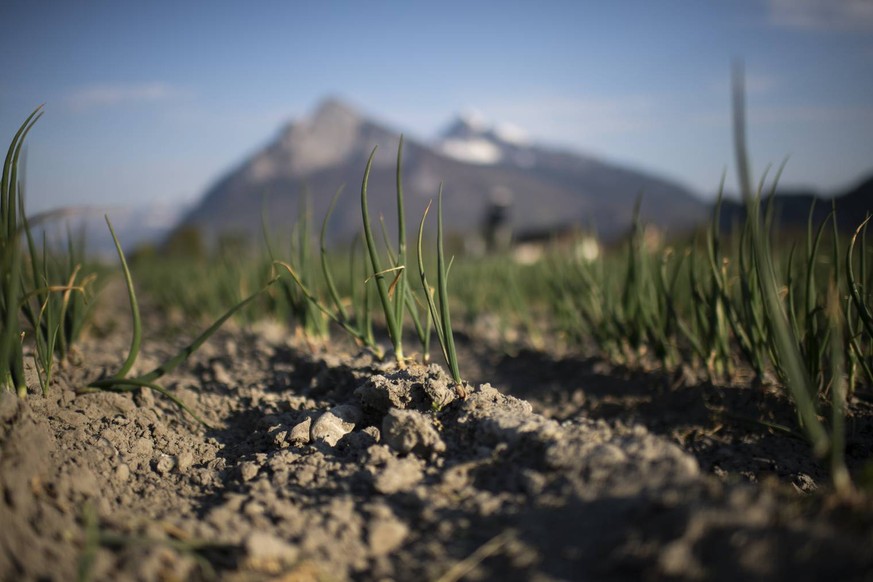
156, 100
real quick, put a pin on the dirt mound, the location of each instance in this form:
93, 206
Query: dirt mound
330, 466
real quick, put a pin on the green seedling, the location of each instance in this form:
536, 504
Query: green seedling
395, 294
839, 473
362, 336
858, 311
440, 316
400, 290
303, 311
357, 324
785, 343
388, 299
52, 317
12, 223
121, 381
50, 291
58, 299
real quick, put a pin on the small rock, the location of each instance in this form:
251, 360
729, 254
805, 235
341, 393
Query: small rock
122, 472
143, 447
165, 464
486, 399
438, 387
220, 374
248, 471
299, 434
184, 461
268, 553
333, 425
386, 535
397, 476
408, 431
804, 482
280, 438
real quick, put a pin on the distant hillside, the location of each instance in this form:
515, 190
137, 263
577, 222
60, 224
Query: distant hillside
791, 208
546, 187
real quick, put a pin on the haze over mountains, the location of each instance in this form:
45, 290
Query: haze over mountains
545, 187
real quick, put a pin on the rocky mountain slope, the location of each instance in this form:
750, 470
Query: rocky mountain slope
547, 188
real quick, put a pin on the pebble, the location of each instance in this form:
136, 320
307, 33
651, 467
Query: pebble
386, 535
248, 471
268, 553
165, 464
299, 434
184, 461
122, 472
336, 423
143, 447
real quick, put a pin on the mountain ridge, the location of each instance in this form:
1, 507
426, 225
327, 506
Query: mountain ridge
329, 147
792, 207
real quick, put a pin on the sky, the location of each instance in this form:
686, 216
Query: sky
155, 101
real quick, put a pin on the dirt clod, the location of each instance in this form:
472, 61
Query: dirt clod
392, 474
409, 431
268, 553
386, 532
334, 424
417, 387
299, 434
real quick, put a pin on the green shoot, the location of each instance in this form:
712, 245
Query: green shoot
394, 324
785, 343
120, 382
441, 316
12, 222
359, 335
136, 338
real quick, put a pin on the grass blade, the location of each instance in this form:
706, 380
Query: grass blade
136, 339
394, 330
442, 287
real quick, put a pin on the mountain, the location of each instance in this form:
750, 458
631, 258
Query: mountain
602, 194
469, 139
545, 187
792, 207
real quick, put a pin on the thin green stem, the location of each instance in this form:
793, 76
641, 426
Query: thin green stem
394, 330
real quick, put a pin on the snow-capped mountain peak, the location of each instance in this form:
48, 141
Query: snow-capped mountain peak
511, 133
471, 139
474, 150
473, 120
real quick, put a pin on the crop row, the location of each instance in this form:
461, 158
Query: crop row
797, 312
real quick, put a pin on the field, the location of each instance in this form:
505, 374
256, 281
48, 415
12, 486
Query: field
691, 408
